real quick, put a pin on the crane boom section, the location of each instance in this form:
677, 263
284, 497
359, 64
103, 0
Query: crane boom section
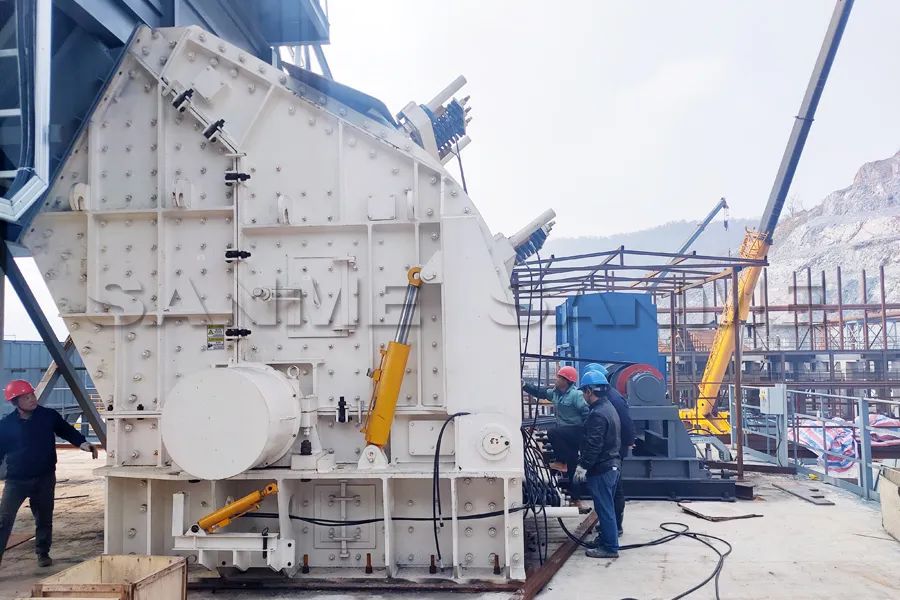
804, 119
756, 244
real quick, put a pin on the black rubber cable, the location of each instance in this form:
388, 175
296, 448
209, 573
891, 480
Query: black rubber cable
537, 404
674, 534
540, 489
532, 483
462, 174
524, 349
336, 523
436, 509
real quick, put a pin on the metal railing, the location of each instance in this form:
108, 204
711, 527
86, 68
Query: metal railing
791, 437
542, 373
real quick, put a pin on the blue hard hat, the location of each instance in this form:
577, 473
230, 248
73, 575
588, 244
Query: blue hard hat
596, 367
593, 378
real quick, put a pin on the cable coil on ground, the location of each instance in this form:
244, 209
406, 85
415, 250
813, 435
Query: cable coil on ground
672, 535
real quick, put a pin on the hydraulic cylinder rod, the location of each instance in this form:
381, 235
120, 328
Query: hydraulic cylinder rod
388, 377
233, 510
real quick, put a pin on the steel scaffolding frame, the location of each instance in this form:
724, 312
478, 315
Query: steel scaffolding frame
789, 343
784, 343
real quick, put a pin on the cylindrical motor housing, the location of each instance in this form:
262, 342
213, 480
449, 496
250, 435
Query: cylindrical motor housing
218, 423
641, 383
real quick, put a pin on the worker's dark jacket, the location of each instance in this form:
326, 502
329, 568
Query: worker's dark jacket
29, 445
601, 442
626, 426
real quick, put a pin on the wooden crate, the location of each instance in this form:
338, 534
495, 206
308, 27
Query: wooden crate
889, 490
120, 577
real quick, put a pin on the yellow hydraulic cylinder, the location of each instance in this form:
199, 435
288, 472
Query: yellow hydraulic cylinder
388, 377
231, 511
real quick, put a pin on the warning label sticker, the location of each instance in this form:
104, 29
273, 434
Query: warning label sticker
215, 337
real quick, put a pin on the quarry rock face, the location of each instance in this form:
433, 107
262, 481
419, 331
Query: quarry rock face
855, 228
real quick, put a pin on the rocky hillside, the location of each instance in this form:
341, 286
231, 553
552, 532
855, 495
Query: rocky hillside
857, 228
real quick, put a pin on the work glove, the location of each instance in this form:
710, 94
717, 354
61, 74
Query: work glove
580, 475
88, 447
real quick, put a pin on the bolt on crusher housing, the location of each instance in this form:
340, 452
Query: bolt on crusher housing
229, 246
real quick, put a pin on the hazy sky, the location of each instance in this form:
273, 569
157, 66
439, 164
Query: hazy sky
624, 115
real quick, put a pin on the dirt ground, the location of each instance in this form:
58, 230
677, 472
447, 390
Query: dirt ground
77, 526
795, 550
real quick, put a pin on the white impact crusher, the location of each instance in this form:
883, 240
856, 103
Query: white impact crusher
248, 259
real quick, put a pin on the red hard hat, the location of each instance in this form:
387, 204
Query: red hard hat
569, 374
16, 388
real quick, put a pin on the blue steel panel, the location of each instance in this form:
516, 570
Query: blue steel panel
609, 326
109, 20
30, 354
226, 20
290, 23
251, 24
562, 324
29, 360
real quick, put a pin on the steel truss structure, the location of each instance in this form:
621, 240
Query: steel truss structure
662, 444
821, 339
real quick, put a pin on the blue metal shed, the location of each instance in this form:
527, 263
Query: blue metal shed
29, 360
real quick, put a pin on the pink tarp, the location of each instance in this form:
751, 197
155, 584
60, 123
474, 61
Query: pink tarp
841, 437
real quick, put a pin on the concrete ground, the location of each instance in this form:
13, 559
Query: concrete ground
795, 550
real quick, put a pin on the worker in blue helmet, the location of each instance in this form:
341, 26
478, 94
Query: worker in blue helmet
571, 410
626, 435
598, 368
599, 466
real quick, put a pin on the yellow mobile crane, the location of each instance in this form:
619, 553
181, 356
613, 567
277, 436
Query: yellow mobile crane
706, 417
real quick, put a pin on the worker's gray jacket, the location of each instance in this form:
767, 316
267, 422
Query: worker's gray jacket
600, 442
571, 409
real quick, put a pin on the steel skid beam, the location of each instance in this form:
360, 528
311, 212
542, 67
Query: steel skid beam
57, 352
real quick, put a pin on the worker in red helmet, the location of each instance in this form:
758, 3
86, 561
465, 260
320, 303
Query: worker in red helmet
28, 443
571, 410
